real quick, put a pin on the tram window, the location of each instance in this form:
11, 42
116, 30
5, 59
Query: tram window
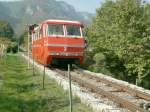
44, 34
32, 37
55, 29
36, 36
73, 31
40, 33
46, 30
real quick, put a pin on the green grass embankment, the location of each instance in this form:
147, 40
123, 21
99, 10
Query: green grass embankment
20, 91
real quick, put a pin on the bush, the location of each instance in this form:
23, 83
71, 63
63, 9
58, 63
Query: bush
12, 48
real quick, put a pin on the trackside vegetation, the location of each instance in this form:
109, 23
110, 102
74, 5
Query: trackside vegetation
6, 29
119, 40
6, 37
20, 91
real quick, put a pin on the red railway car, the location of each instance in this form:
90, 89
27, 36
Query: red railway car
58, 42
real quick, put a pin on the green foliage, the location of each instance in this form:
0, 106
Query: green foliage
23, 40
6, 29
12, 48
121, 33
5, 41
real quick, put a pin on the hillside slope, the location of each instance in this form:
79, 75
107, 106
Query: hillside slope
19, 13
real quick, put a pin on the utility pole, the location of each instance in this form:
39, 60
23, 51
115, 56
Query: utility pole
70, 88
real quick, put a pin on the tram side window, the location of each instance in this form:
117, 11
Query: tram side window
33, 37
55, 30
36, 36
40, 33
45, 31
73, 30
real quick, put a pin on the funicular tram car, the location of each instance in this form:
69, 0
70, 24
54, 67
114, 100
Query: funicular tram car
58, 42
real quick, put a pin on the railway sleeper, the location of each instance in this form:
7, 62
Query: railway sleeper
90, 85
124, 103
128, 89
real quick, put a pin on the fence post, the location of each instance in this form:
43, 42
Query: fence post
18, 49
44, 77
70, 88
28, 49
33, 66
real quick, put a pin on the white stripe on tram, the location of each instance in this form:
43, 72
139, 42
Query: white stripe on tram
64, 45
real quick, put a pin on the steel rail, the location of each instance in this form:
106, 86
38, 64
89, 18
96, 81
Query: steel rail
91, 85
123, 103
127, 89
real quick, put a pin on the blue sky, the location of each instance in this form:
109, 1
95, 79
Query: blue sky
86, 5
83, 5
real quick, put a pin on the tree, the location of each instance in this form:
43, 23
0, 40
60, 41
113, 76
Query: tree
6, 34
121, 33
6, 30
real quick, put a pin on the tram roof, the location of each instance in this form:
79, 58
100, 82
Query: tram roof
51, 21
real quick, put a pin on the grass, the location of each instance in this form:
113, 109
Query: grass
20, 91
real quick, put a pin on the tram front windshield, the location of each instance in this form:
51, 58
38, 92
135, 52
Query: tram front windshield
71, 30
55, 29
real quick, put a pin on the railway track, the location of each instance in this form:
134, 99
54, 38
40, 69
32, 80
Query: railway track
129, 90
133, 100
126, 97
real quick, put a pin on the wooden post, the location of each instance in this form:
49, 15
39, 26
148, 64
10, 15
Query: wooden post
33, 66
136, 82
0, 52
18, 46
44, 77
28, 49
70, 88
3, 51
